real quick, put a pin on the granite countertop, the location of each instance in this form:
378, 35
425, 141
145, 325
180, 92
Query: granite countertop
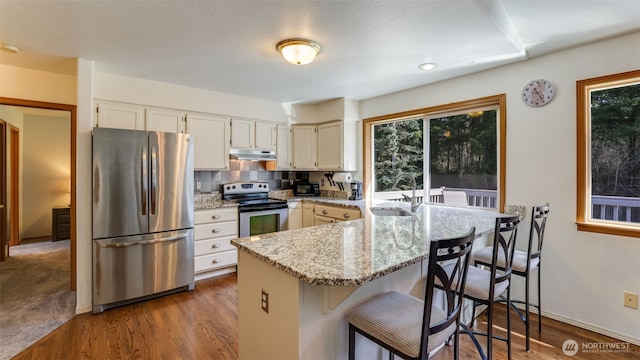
357, 251
211, 201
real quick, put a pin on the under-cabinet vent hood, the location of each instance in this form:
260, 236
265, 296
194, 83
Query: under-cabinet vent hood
252, 155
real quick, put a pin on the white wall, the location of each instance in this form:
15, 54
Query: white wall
46, 172
153, 93
584, 274
22, 83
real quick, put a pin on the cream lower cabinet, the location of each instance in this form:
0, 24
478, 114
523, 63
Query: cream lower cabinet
326, 214
294, 220
307, 214
214, 230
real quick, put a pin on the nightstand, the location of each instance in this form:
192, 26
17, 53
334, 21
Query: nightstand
61, 223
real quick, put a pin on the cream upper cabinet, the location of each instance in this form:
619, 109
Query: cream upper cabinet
265, 135
336, 145
166, 120
211, 136
252, 134
283, 147
242, 134
304, 147
119, 116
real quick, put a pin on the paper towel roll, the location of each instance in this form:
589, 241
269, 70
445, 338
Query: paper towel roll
344, 177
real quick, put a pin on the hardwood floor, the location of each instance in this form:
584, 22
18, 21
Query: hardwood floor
202, 324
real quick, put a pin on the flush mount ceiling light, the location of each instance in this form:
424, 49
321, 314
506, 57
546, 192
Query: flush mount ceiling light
298, 51
427, 66
9, 48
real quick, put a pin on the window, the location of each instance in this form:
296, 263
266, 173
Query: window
458, 146
608, 122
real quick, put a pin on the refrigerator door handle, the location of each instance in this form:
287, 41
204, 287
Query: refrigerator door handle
144, 181
143, 242
154, 178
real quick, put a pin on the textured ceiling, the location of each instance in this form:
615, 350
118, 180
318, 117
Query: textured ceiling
369, 48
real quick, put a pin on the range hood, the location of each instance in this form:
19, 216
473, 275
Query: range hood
252, 155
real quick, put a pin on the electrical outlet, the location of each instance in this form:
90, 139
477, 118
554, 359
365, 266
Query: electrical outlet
265, 301
198, 185
630, 300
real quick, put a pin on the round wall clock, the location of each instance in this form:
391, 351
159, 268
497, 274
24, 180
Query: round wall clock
538, 92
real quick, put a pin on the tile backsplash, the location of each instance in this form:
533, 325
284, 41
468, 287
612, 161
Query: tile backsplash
248, 171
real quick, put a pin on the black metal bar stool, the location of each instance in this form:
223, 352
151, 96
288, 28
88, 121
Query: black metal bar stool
524, 263
410, 327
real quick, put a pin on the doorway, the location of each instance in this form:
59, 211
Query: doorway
72, 186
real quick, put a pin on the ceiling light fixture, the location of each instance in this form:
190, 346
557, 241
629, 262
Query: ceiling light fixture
9, 48
427, 66
298, 51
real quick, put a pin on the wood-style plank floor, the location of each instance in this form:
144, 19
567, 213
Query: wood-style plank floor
203, 324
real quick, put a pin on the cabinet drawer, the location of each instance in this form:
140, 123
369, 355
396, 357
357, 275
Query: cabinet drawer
216, 215
340, 213
215, 261
206, 231
215, 245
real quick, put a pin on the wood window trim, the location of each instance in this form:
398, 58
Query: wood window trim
499, 101
583, 153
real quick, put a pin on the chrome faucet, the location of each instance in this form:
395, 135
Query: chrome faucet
414, 200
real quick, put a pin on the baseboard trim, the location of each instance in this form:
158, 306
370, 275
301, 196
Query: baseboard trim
591, 327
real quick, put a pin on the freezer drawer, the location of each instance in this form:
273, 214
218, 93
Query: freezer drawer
129, 268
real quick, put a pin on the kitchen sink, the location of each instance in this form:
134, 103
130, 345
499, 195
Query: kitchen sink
384, 211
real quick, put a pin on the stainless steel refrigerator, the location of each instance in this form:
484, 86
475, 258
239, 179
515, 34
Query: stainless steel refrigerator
142, 215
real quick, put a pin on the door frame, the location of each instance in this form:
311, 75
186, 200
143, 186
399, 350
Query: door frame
73, 126
3, 191
14, 196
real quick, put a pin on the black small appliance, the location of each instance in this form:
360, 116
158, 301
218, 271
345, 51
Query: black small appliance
306, 188
356, 191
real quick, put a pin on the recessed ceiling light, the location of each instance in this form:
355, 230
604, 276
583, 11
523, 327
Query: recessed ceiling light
298, 51
427, 66
13, 49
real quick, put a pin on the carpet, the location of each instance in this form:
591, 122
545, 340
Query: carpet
34, 294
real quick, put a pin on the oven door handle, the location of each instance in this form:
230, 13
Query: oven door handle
263, 208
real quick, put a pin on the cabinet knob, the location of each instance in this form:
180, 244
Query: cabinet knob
346, 216
216, 230
215, 217
215, 261
215, 246
324, 212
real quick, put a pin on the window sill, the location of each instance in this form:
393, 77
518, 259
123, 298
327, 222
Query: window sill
611, 229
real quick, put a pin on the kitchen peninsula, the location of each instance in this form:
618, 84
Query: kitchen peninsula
294, 287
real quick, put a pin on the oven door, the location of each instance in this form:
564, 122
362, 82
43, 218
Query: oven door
262, 221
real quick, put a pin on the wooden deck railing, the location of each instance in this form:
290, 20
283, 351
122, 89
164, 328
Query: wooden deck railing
614, 208
475, 197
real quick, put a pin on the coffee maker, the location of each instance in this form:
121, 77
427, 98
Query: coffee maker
356, 191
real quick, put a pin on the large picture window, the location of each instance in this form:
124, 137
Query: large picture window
457, 147
609, 154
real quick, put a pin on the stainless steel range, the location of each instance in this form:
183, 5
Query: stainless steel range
258, 214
